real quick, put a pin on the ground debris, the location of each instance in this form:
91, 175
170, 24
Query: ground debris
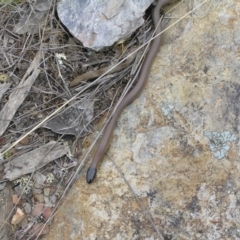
19, 94
35, 159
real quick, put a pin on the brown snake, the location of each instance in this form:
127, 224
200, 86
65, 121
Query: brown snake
132, 95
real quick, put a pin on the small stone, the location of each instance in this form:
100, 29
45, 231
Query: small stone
36, 190
47, 212
15, 199
53, 199
39, 179
27, 207
46, 191
17, 217
37, 210
39, 197
47, 202
18, 190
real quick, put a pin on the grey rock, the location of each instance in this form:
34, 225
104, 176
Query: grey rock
100, 23
27, 207
39, 179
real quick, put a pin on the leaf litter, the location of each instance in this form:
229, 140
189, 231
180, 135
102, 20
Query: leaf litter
39, 61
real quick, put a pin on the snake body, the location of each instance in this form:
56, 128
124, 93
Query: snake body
132, 95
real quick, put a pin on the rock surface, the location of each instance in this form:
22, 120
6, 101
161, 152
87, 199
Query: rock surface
100, 23
177, 144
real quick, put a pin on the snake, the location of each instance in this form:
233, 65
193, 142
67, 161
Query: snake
133, 94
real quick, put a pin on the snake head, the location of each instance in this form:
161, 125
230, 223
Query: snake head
91, 174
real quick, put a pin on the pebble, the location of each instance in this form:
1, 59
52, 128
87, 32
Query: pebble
27, 207
46, 191
37, 210
15, 199
39, 197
